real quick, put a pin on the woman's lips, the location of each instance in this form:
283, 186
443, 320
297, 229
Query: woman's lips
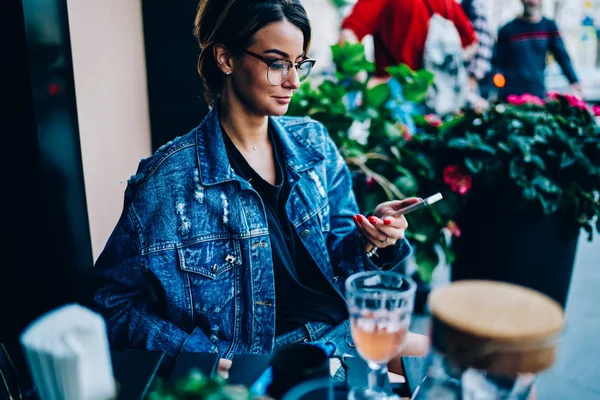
283, 99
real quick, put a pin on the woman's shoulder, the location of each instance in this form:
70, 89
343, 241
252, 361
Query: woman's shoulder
173, 154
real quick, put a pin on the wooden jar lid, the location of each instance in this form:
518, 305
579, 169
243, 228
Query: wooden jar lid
495, 326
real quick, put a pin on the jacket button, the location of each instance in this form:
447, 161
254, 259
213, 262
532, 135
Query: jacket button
214, 268
305, 233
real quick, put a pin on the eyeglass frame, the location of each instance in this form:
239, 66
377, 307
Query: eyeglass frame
270, 61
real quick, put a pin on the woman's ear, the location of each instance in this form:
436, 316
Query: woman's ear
223, 59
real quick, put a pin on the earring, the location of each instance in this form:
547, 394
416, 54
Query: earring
228, 73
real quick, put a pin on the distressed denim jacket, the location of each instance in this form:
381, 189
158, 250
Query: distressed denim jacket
188, 267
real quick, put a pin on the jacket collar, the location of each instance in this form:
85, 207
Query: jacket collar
213, 163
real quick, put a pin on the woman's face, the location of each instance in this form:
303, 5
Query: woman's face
279, 40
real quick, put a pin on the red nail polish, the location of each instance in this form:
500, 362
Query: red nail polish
361, 219
355, 219
373, 220
387, 221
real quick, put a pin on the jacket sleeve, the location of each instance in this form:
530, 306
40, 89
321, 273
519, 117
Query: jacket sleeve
557, 46
365, 18
344, 241
124, 297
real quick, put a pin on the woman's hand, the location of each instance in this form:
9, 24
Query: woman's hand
224, 367
415, 345
383, 229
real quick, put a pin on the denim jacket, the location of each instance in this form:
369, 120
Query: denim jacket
188, 267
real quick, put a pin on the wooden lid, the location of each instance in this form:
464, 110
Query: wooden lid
496, 325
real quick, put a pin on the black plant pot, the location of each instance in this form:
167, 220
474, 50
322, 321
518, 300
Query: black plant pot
521, 247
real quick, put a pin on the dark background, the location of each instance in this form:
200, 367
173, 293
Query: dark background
174, 88
47, 256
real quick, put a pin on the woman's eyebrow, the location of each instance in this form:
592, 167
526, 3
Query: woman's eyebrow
281, 53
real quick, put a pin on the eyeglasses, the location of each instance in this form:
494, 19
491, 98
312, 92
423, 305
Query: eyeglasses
279, 69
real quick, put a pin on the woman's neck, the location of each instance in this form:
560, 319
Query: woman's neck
247, 131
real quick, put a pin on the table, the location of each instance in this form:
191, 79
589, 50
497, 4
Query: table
136, 370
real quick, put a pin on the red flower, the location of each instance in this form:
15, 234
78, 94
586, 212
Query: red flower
406, 134
370, 181
453, 228
433, 120
458, 181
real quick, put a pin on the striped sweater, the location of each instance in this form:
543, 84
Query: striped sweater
521, 54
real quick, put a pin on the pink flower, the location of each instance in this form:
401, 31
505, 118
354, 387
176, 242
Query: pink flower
433, 120
525, 98
554, 95
581, 104
454, 229
458, 181
531, 99
514, 100
596, 110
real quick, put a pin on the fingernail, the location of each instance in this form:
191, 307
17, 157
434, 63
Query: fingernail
361, 219
387, 221
355, 219
372, 220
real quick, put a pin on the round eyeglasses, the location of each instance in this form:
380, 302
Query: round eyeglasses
279, 69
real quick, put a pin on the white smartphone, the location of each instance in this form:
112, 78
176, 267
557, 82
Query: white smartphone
422, 203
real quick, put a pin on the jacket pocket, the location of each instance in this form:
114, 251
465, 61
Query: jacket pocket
211, 268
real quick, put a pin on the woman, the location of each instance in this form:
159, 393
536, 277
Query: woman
237, 237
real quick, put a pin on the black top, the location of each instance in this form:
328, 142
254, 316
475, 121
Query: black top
302, 292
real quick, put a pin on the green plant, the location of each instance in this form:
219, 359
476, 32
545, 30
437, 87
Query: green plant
370, 120
198, 386
542, 155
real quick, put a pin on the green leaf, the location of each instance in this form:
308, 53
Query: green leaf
426, 259
474, 166
452, 123
350, 59
378, 95
392, 131
459, 143
407, 184
545, 185
415, 84
402, 73
537, 160
566, 160
504, 147
516, 169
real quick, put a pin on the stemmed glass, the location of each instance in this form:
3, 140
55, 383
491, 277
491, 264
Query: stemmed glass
380, 305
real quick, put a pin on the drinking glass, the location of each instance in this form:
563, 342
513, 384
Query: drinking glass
380, 305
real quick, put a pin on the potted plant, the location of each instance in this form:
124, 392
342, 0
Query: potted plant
371, 120
198, 386
528, 176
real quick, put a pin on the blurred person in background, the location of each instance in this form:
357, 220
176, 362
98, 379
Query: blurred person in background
522, 49
480, 66
238, 237
399, 29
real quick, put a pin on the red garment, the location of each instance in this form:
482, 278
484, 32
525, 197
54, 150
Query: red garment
399, 28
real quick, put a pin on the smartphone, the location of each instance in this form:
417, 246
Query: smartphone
422, 203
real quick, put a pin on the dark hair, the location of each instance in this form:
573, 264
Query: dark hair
233, 23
